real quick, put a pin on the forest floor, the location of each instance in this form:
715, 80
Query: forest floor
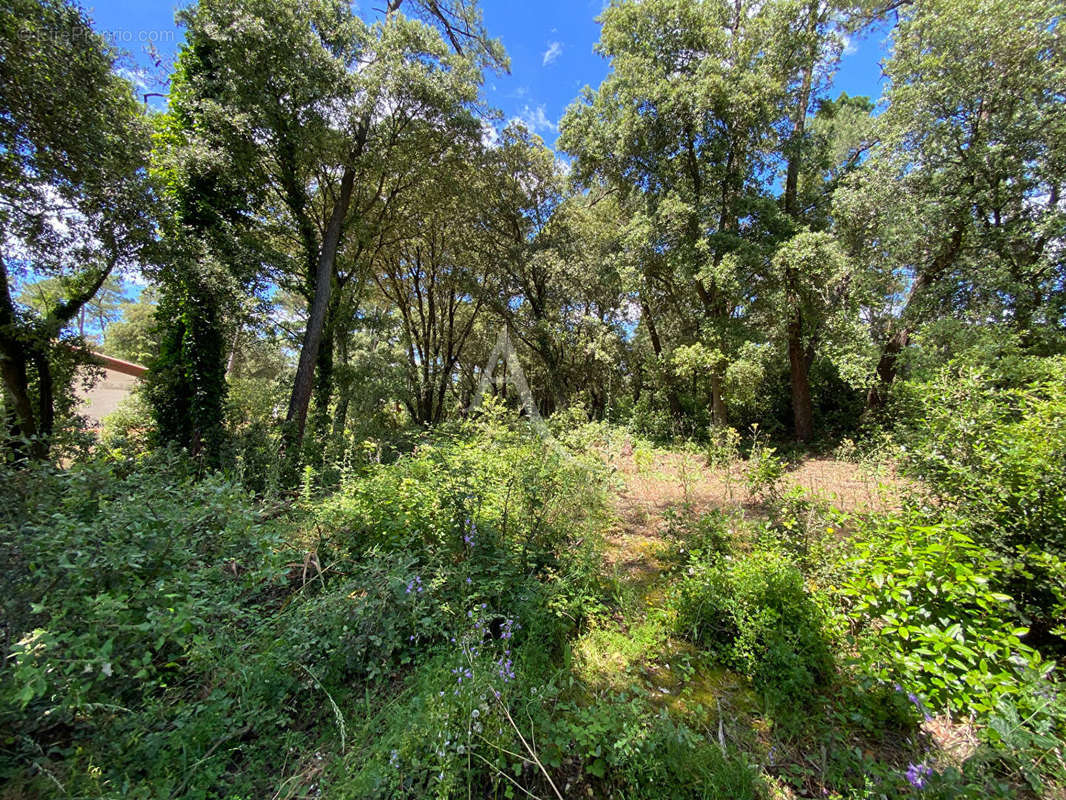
654, 486
636, 650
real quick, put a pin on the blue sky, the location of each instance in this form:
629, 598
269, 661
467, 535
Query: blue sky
550, 44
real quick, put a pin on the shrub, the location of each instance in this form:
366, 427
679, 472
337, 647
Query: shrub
994, 452
764, 472
753, 612
723, 446
127, 585
921, 602
119, 576
624, 749
168, 642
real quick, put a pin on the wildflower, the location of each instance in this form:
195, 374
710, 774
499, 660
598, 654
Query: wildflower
918, 704
917, 774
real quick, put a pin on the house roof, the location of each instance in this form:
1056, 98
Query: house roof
118, 365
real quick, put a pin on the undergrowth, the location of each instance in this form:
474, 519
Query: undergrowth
443, 625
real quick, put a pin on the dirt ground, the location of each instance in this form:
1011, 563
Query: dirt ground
652, 482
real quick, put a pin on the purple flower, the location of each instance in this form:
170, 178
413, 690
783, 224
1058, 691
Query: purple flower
917, 774
918, 704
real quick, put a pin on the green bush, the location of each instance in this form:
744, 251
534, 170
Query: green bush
764, 473
115, 578
166, 641
753, 612
921, 604
993, 450
127, 591
624, 748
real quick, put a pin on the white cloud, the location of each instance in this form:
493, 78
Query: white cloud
555, 49
490, 137
138, 77
537, 120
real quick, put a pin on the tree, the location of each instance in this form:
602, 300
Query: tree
959, 207
315, 98
684, 124
438, 276
75, 202
95, 316
809, 290
810, 305
133, 336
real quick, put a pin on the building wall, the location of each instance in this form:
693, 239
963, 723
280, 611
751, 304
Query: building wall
105, 395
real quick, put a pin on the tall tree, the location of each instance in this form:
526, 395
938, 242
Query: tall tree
961, 201
75, 203
438, 275
685, 122
310, 90
808, 49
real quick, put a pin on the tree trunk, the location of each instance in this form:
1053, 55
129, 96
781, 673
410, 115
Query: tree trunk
13, 363
719, 412
909, 317
231, 362
17, 383
886, 368
296, 419
340, 419
799, 364
657, 347
46, 406
323, 391
802, 409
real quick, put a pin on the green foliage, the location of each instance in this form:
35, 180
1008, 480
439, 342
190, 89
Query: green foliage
158, 627
77, 207
753, 611
132, 337
1026, 730
127, 431
993, 448
921, 602
765, 470
723, 446
809, 531
995, 452
122, 580
119, 579
186, 386
624, 747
